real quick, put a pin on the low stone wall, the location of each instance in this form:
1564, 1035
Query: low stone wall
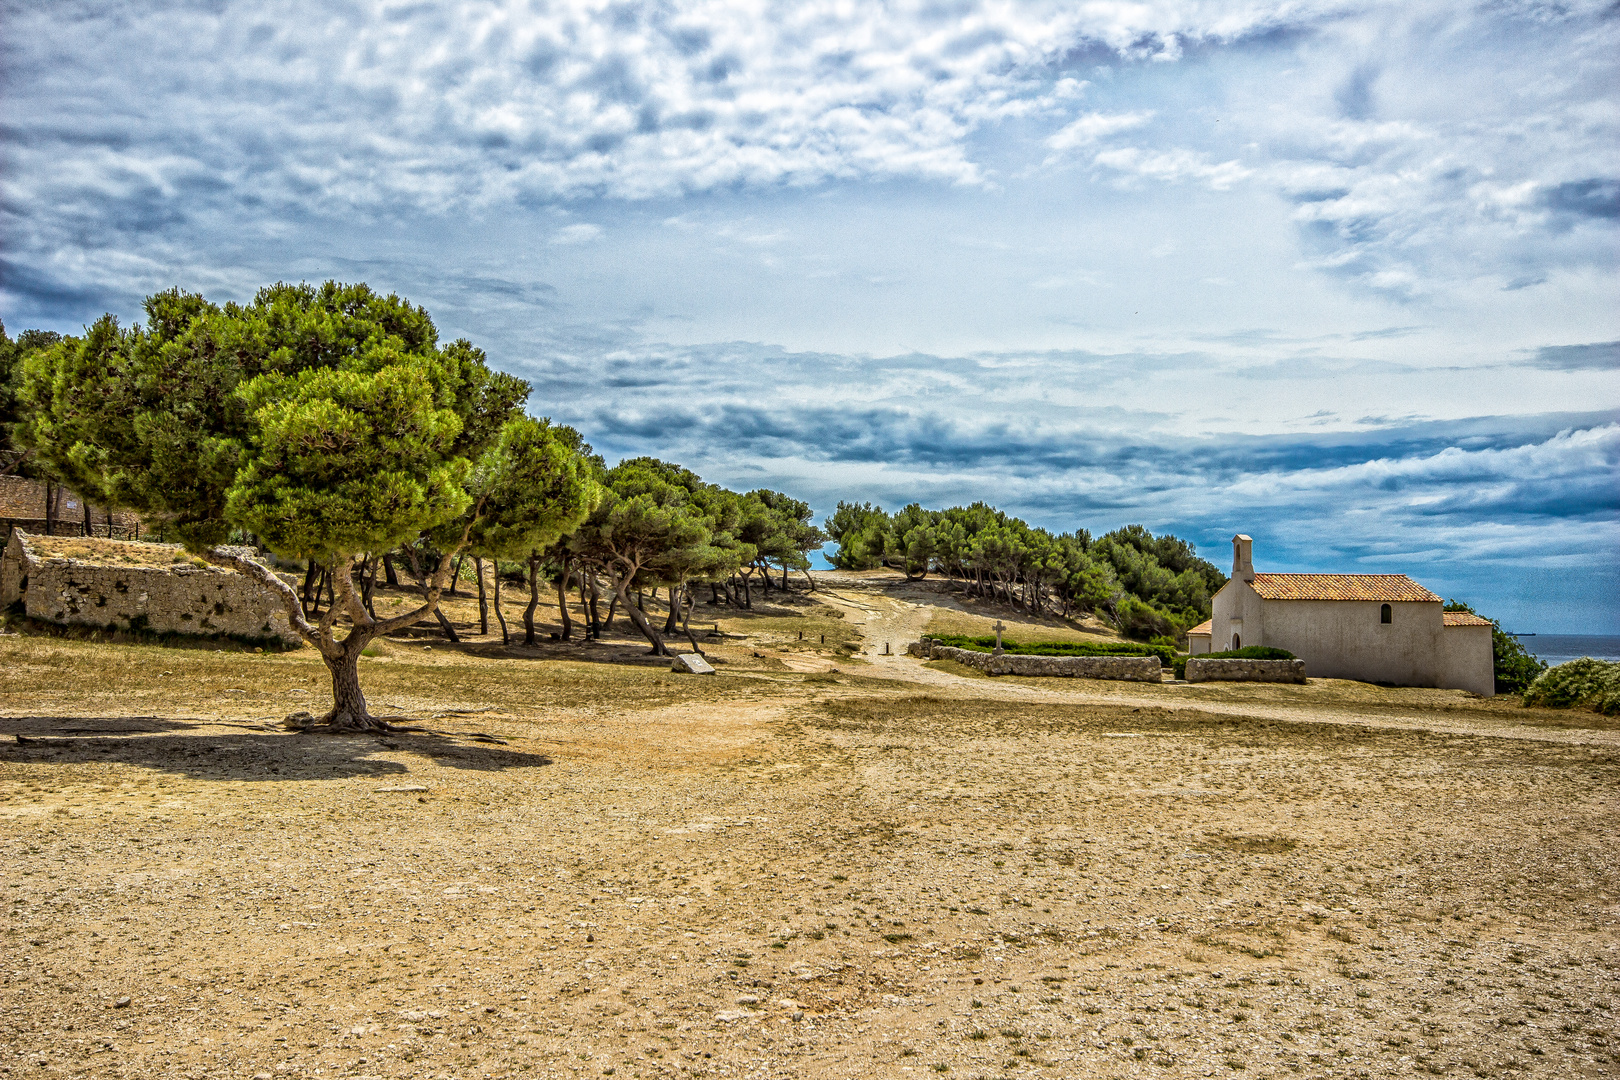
182, 598
1126, 668
1233, 670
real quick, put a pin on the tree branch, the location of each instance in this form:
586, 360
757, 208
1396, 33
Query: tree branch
430, 590
221, 556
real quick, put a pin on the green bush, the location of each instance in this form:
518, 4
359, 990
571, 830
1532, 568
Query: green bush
1165, 653
1248, 652
1587, 683
1514, 666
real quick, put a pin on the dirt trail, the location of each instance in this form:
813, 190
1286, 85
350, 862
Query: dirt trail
896, 622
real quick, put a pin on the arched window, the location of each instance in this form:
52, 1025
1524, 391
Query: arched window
1237, 641
1386, 614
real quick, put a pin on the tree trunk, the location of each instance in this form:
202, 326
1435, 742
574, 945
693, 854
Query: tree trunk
368, 583
586, 607
89, 529
50, 509
562, 602
637, 616
670, 624
686, 621
349, 712
483, 602
613, 605
534, 600
389, 574
500, 616
444, 624
455, 575
309, 584
784, 575
596, 597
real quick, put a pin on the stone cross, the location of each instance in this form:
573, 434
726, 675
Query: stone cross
998, 628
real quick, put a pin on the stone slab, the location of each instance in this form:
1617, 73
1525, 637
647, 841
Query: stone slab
690, 664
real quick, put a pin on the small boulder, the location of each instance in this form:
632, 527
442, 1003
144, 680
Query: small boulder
690, 664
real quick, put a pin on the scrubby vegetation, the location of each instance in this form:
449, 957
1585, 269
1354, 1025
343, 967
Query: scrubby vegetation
1147, 586
1515, 666
1584, 683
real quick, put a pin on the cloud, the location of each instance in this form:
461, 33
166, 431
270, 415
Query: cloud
582, 233
1584, 198
1172, 166
1094, 127
1598, 356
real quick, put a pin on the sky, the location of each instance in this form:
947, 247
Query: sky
1341, 276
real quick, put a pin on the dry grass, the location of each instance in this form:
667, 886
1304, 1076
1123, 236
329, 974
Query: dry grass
790, 875
1019, 627
103, 552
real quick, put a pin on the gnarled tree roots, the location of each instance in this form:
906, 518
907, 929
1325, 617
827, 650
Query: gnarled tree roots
338, 722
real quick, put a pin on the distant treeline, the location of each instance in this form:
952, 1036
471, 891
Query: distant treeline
1148, 586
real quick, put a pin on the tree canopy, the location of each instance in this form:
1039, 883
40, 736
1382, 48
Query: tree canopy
1149, 586
323, 421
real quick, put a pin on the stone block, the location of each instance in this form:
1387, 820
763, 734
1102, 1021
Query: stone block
1121, 668
690, 664
1235, 670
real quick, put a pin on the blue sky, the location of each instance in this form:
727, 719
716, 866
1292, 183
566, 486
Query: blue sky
1339, 275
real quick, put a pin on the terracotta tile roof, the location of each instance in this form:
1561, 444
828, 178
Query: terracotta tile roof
1205, 627
1385, 587
1462, 618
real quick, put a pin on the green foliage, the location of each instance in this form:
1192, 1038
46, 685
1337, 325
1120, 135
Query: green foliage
1584, 683
1514, 665
1148, 586
534, 485
12, 354
170, 417
861, 531
341, 462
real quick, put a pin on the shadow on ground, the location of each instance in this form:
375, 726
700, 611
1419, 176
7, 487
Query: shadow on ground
197, 749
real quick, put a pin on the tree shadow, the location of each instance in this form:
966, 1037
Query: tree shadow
196, 748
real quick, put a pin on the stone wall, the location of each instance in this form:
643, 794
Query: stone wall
1127, 668
1285, 671
179, 598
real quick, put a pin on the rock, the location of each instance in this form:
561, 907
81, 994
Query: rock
121, 1003
690, 664
298, 721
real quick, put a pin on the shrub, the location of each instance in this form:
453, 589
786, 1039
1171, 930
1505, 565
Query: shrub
1587, 683
1514, 666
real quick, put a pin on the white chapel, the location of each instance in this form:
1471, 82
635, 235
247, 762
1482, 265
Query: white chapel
1382, 628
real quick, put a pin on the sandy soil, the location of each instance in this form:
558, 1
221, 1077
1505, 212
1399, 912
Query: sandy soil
823, 862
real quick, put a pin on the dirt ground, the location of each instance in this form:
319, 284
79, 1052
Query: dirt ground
822, 862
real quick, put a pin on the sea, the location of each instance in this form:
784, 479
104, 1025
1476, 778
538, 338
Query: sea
1555, 649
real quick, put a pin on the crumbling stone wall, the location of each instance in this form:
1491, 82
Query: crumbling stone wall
1234, 670
181, 598
1126, 668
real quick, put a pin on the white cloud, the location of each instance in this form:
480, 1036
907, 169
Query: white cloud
582, 233
1172, 166
1095, 126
